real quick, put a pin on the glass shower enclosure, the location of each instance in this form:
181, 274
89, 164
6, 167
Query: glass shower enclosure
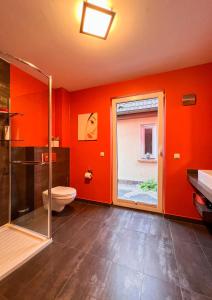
25, 146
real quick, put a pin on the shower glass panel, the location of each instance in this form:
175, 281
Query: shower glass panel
4, 147
28, 135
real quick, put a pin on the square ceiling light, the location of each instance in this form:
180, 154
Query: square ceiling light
96, 21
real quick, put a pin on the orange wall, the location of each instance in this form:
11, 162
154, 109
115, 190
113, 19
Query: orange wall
61, 111
188, 132
188, 129
30, 97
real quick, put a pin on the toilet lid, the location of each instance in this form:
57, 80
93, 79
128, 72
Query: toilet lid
62, 191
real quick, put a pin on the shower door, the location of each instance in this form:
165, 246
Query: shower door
4, 147
28, 136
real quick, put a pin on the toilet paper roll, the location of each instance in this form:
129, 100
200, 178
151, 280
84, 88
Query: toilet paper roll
88, 175
7, 133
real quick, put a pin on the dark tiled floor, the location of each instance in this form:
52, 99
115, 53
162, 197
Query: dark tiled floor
110, 253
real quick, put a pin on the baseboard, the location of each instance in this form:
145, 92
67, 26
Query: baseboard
92, 202
168, 216
113, 205
138, 210
184, 219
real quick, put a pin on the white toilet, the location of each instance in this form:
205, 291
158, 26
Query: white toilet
61, 196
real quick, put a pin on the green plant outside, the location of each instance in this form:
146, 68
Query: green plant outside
149, 185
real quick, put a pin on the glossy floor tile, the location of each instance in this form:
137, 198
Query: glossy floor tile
160, 227
129, 249
101, 279
110, 253
155, 289
159, 260
203, 235
188, 295
195, 272
183, 231
139, 222
208, 254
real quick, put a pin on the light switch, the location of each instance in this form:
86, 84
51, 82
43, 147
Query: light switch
176, 155
102, 154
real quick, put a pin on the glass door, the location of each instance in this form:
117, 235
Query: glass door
27, 132
137, 151
4, 146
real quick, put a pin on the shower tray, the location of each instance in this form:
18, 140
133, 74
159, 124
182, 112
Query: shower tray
17, 246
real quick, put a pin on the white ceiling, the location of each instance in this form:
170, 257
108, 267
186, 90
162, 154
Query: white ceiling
148, 36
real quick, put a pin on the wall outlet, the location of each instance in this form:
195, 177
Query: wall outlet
176, 155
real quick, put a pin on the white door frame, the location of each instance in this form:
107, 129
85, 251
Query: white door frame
128, 203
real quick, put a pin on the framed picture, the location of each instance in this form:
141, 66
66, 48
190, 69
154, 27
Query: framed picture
87, 127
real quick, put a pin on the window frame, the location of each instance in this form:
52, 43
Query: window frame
153, 155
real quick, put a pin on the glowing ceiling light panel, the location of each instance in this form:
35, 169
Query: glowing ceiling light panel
96, 21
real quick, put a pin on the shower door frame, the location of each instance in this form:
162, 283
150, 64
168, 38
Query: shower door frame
7, 57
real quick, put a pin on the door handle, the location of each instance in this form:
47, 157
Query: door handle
161, 152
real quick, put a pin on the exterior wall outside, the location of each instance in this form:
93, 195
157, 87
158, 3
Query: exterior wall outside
130, 166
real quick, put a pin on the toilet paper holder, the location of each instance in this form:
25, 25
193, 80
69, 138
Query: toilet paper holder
88, 175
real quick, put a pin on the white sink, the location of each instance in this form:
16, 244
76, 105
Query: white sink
205, 177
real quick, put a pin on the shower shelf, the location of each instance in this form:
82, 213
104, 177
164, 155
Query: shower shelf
28, 162
1, 140
10, 114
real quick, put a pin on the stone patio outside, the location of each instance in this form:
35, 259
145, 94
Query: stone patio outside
134, 193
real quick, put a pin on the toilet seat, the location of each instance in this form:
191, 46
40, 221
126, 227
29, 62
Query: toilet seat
63, 192
61, 196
